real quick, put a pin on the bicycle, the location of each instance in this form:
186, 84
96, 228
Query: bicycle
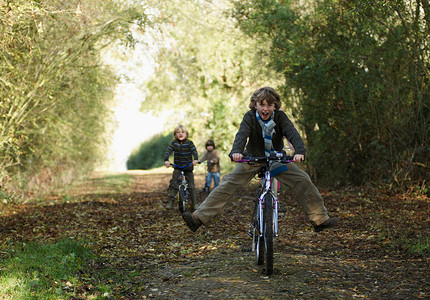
264, 222
204, 192
182, 195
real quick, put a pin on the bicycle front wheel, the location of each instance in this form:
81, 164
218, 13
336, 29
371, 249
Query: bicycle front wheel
257, 238
268, 232
182, 199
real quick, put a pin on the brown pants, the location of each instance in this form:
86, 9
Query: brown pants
305, 191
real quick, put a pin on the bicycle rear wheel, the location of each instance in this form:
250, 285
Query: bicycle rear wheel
182, 199
268, 232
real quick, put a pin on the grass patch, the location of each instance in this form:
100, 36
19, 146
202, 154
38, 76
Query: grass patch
419, 246
43, 271
113, 183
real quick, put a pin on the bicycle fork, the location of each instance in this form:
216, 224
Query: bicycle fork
185, 184
275, 192
261, 203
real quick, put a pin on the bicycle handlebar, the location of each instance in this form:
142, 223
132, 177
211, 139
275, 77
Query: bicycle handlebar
281, 157
263, 159
182, 167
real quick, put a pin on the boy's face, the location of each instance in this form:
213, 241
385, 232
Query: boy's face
265, 109
209, 147
181, 135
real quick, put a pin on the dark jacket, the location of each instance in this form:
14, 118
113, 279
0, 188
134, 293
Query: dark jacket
249, 139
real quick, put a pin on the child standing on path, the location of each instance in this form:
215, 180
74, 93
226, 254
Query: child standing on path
185, 154
261, 130
212, 156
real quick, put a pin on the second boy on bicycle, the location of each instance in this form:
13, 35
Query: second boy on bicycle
185, 153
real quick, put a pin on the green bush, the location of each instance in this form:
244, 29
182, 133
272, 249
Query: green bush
150, 154
55, 91
356, 75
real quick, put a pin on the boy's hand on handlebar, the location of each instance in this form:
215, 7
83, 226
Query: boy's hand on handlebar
298, 157
195, 162
236, 156
167, 163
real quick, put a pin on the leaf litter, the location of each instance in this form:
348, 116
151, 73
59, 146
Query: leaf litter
145, 251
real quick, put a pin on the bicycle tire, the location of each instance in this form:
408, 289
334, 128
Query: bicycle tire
257, 239
182, 199
268, 232
258, 244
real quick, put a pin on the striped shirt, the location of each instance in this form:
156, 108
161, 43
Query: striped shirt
184, 152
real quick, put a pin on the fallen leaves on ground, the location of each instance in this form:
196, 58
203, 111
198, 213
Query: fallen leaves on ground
146, 251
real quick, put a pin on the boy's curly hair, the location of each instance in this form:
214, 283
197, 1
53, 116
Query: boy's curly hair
180, 127
265, 93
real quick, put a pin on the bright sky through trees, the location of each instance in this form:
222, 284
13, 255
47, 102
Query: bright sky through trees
131, 126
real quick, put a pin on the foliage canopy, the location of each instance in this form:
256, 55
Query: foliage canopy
354, 75
357, 76
55, 92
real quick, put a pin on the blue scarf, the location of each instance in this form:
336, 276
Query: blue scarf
268, 128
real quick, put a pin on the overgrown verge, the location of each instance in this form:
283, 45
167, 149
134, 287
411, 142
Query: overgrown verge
45, 270
54, 89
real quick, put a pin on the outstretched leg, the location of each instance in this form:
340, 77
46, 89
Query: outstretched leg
308, 196
225, 192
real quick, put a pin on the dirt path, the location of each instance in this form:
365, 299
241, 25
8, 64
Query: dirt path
146, 251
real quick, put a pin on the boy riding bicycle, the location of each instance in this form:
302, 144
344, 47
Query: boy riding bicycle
184, 152
262, 130
212, 157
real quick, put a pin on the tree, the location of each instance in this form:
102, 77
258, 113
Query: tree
54, 89
357, 75
205, 71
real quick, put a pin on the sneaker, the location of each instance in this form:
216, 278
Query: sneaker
331, 222
192, 222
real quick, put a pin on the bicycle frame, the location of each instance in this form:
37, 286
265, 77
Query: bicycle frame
183, 180
271, 186
264, 216
267, 181
184, 184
